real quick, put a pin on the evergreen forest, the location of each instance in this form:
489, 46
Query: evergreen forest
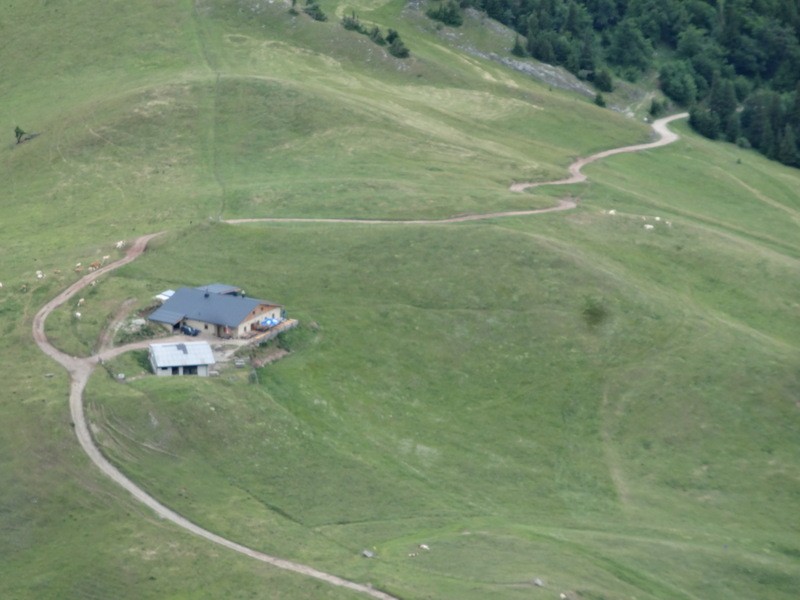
734, 63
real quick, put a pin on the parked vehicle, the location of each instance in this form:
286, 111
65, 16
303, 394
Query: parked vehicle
189, 330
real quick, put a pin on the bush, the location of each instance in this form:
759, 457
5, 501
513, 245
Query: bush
518, 49
351, 23
705, 122
376, 36
448, 13
398, 49
313, 10
603, 81
677, 82
599, 100
396, 46
657, 108
594, 311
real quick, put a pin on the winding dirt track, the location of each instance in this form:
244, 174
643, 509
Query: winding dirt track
665, 136
80, 369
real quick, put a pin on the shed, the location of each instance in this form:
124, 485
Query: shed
181, 358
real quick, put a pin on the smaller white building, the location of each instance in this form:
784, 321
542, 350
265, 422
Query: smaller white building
181, 358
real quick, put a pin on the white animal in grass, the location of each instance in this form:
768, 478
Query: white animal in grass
120, 245
649, 227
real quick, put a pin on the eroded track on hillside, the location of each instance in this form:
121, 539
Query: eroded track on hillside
80, 369
660, 127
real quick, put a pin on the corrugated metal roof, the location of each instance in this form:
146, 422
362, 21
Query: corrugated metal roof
182, 354
207, 307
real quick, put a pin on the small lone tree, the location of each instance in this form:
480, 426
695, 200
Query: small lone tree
19, 133
396, 46
518, 49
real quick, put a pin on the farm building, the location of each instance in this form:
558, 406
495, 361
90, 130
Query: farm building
184, 358
219, 310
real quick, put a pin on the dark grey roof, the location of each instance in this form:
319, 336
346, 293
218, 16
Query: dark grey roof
219, 288
181, 354
199, 305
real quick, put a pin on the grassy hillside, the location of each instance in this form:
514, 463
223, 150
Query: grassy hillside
568, 396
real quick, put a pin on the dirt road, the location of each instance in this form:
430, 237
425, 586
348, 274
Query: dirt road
665, 136
80, 369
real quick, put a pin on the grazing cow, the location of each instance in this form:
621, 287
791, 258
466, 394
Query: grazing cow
78, 268
39, 275
648, 227
95, 265
77, 315
120, 245
81, 302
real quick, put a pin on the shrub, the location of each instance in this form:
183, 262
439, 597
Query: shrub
376, 36
705, 122
313, 10
594, 311
396, 46
603, 81
398, 49
351, 23
657, 108
518, 49
448, 13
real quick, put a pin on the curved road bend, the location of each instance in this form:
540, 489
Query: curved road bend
80, 369
665, 136
660, 127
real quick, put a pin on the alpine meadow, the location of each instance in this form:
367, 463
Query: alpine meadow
483, 398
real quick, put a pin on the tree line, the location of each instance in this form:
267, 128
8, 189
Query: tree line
734, 63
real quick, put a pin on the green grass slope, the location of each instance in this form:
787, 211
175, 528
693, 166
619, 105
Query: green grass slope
569, 396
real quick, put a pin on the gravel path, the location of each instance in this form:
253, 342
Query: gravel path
80, 369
